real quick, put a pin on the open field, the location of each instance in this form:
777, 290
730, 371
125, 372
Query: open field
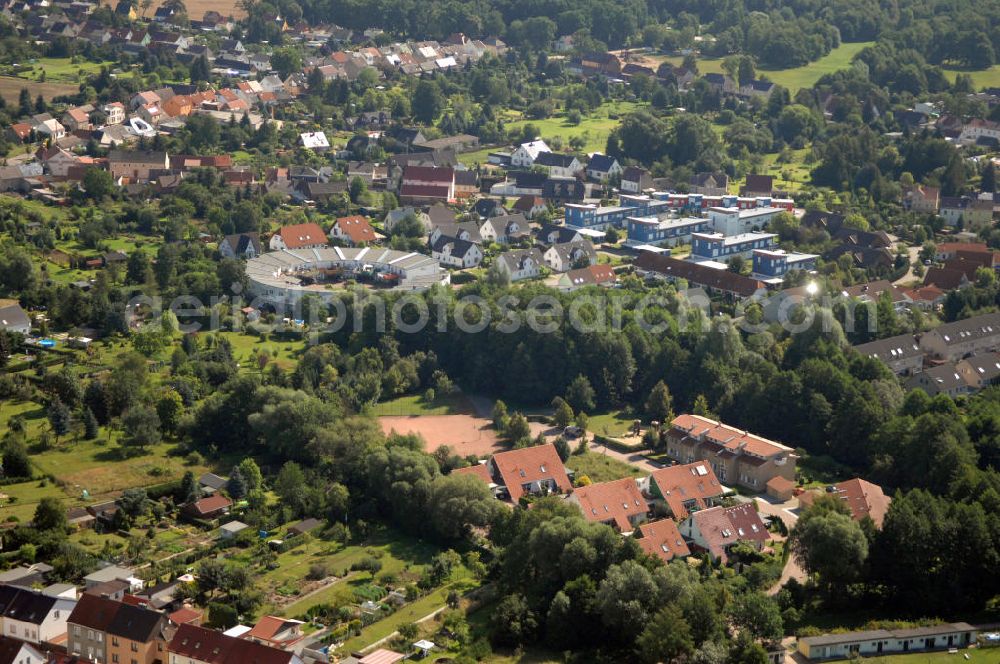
59, 70
196, 8
984, 78
465, 434
10, 89
795, 78
611, 423
807, 75
601, 468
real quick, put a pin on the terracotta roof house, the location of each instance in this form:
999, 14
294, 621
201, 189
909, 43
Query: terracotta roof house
663, 540
717, 529
298, 236
780, 488
208, 508
276, 632
619, 503
736, 456
197, 645
530, 470
593, 275
730, 284
476, 470
685, 488
353, 231
862, 497
382, 656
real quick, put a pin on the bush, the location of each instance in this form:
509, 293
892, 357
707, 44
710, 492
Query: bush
317, 571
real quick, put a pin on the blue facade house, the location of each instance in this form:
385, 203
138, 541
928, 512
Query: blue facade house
588, 216
773, 264
663, 232
718, 247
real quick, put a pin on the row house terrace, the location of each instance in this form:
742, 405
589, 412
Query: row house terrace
736, 456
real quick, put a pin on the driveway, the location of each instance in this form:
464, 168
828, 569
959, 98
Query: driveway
788, 513
909, 277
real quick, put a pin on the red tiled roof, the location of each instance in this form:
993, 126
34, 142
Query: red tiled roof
862, 497
617, 500
206, 645
925, 293
356, 228
663, 539
747, 522
210, 504
721, 527
185, 616
690, 485
477, 470
729, 437
441, 176
530, 464
382, 656
302, 235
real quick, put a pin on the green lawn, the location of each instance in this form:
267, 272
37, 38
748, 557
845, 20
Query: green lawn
60, 70
612, 423
797, 77
984, 78
594, 127
601, 468
807, 75
992, 656
283, 352
414, 404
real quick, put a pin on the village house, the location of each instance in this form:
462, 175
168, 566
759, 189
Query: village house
558, 164
953, 341
864, 499
109, 631
196, 645
353, 231
618, 503
280, 633
923, 199
901, 353
506, 229
14, 651
33, 615
241, 245
602, 168
684, 488
709, 184
757, 185
717, 529
981, 370
137, 165
635, 180
592, 275
525, 154
455, 252
427, 184
662, 539
971, 213
736, 457
530, 206
521, 263
208, 508
298, 236
941, 379
529, 471
78, 118
563, 257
